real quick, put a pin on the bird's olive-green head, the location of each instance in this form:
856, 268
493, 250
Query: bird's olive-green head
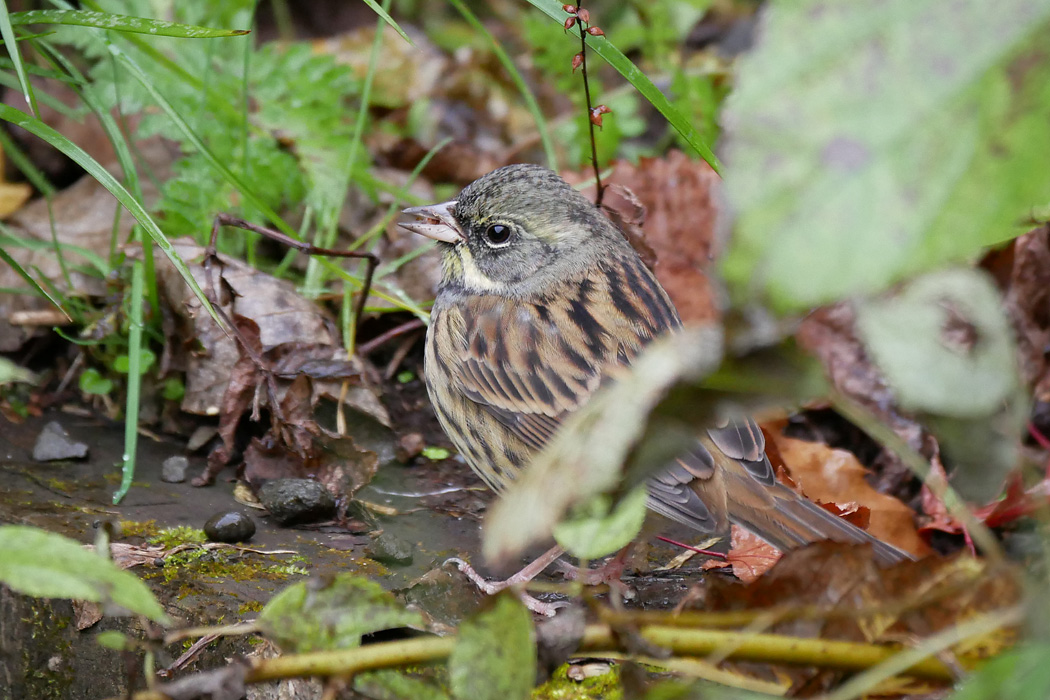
514, 230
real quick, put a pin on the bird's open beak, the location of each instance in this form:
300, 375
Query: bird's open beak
435, 221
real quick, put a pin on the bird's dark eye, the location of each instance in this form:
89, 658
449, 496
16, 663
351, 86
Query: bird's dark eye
497, 234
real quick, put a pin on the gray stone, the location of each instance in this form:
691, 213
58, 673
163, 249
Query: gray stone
387, 548
54, 443
292, 501
174, 469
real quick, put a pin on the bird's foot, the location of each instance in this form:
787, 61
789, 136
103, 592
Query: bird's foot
526, 574
609, 573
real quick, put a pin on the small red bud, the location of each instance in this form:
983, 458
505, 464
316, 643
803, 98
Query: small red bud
595, 31
577, 61
569, 9
596, 115
584, 15
570, 22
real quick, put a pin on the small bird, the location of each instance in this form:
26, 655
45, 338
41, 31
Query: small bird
542, 299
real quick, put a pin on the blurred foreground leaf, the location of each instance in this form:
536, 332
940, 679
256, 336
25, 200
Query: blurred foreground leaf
1019, 674
897, 136
603, 527
45, 565
309, 617
495, 654
947, 350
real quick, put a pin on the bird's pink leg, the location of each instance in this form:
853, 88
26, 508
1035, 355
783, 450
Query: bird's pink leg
527, 573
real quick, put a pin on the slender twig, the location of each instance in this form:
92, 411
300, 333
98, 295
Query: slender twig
599, 187
691, 548
374, 343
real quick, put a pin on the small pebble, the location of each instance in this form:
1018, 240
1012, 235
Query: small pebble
230, 526
54, 443
387, 548
292, 501
174, 469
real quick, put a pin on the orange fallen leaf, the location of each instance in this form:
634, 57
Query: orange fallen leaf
836, 478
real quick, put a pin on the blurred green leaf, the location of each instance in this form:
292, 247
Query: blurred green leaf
174, 389
602, 527
112, 639
393, 684
495, 653
45, 565
1018, 674
898, 135
121, 23
309, 617
122, 363
944, 344
946, 348
92, 382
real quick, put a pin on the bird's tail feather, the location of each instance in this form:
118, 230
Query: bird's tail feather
796, 521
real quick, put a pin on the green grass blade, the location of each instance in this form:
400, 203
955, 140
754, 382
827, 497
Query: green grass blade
131, 417
121, 23
32, 282
516, 77
378, 9
92, 166
8, 33
615, 58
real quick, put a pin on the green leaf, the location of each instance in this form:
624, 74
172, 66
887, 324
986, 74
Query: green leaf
897, 136
122, 363
435, 453
121, 23
304, 617
92, 382
495, 654
615, 58
946, 348
45, 565
602, 527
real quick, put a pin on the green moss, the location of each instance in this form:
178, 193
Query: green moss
252, 606
49, 641
134, 528
174, 536
197, 562
560, 687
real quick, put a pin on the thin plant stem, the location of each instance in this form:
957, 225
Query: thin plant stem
599, 187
